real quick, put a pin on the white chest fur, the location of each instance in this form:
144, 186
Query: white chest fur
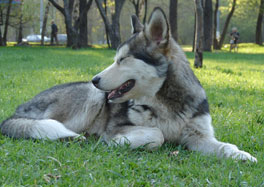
153, 113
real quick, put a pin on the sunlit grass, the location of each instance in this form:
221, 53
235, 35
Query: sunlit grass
235, 88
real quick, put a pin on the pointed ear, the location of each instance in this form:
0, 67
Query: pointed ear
136, 25
157, 28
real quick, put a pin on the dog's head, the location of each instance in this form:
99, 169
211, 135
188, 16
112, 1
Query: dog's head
140, 65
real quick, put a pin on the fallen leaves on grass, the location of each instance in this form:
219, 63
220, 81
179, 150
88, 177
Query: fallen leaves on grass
48, 177
174, 153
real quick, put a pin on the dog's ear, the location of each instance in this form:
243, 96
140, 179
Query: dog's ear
157, 28
136, 25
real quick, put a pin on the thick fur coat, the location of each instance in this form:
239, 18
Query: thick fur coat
147, 96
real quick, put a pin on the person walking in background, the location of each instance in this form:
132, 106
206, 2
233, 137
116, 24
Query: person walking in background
234, 39
54, 31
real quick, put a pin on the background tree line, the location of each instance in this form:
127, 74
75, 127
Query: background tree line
89, 22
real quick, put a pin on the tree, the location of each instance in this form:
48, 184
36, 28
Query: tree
208, 24
139, 5
194, 32
146, 11
77, 36
173, 18
199, 36
1, 42
20, 29
44, 25
7, 22
219, 44
1, 23
215, 40
106, 31
113, 28
259, 23
81, 22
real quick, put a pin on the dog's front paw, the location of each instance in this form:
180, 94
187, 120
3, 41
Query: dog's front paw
230, 150
242, 155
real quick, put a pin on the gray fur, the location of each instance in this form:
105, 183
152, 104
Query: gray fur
167, 102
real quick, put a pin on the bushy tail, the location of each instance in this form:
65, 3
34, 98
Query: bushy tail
33, 128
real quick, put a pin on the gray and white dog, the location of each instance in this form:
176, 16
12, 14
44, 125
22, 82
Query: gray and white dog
147, 96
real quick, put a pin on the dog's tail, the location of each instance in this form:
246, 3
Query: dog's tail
17, 127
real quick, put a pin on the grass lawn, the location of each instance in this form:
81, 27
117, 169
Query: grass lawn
234, 83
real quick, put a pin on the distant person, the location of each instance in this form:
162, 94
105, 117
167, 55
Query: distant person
234, 39
54, 32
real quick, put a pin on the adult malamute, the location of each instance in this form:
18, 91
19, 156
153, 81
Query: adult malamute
147, 96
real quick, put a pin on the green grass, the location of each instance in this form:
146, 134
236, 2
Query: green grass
234, 83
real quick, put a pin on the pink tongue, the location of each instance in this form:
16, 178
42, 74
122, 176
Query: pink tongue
111, 94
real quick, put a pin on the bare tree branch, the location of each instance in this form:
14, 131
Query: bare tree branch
56, 5
7, 21
102, 12
145, 12
227, 23
88, 6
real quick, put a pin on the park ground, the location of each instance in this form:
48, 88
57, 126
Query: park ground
234, 83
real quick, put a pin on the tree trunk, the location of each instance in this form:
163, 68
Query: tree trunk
83, 27
76, 34
7, 22
229, 16
72, 35
146, 11
1, 41
115, 34
76, 24
67, 13
259, 23
114, 28
106, 30
1, 23
199, 37
83, 35
173, 18
194, 32
20, 29
44, 25
136, 6
215, 41
208, 24
81, 22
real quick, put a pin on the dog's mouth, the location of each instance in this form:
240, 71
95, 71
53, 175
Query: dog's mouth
121, 90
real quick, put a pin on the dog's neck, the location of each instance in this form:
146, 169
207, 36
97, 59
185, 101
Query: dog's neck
181, 85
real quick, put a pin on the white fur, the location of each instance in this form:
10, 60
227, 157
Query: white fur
196, 133
184, 131
137, 136
50, 129
170, 127
131, 68
121, 53
208, 143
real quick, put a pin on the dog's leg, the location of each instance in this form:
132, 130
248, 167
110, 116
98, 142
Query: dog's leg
136, 136
199, 136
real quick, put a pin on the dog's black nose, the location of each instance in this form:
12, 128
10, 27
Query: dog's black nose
96, 80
